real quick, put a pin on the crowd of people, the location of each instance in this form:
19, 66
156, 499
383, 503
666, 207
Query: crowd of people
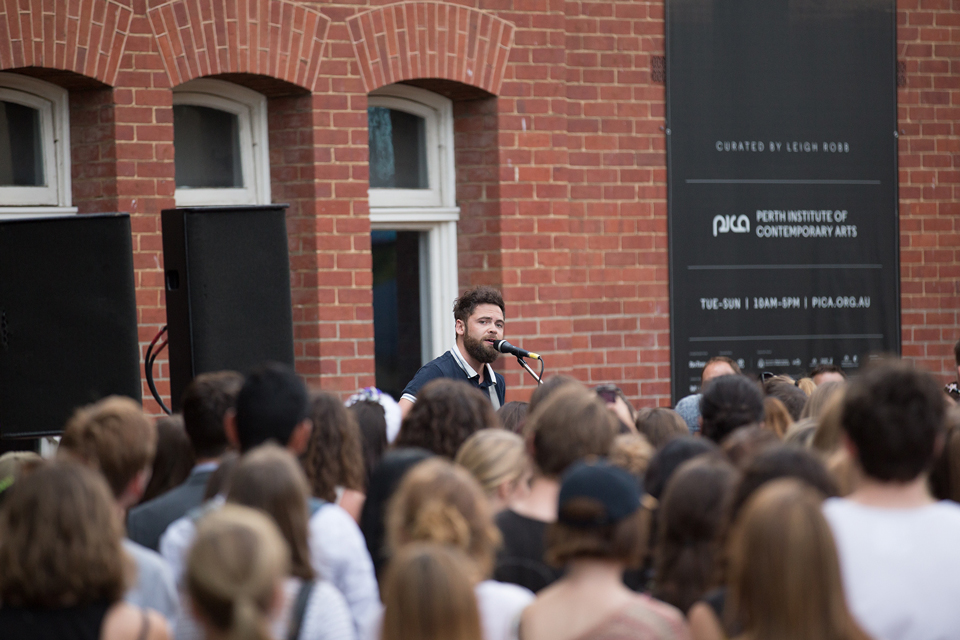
813, 509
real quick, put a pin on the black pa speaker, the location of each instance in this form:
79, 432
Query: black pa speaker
68, 319
227, 273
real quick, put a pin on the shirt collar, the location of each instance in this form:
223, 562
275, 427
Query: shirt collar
471, 373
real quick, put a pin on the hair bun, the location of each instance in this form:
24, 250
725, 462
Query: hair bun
442, 523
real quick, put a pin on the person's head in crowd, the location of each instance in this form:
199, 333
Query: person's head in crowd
272, 404
446, 413
631, 452
60, 540
498, 460
718, 366
666, 461
781, 462
334, 455
821, 398
371, 420
568, 427
827, 373
549, 386
801, 432
234, 573
218, 483
691, 514
807, 385
660, 425
729, 402
429, 594
828, 436
12, 465
441, 503
383, 484
792, 397
114, 437
784, 571
598, 517
204, 405
893, 416
744, 443
173, 460
513, 415
271, 480
945, 475
776, 418
617, 403
688, 408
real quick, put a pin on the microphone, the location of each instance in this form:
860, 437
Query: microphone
505, 347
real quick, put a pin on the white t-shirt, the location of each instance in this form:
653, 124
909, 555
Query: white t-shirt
901, 568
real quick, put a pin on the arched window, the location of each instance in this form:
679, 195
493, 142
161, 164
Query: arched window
413, 217
220, 144
34, 146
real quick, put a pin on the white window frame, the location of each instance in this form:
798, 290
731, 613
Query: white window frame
432, 212
52, 102
250, 108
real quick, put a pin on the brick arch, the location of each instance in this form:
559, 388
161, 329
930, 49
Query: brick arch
276, 38
85, 36
414, 40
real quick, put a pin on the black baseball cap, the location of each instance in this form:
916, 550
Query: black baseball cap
616, 490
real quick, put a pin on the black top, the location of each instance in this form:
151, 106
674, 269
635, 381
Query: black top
520, 560
70, 623
447, 366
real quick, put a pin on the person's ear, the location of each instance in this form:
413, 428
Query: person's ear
300, 438
461, 327
135, 488
230, 428
850, 447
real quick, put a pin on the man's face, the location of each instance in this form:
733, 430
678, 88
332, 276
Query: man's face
715, 370
480, 331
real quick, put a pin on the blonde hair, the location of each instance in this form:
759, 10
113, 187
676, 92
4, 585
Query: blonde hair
114, 437
788, 596
632, 452
428, 595
807, 385
776, 417
440, 502
494, 457
234, 568
269, 479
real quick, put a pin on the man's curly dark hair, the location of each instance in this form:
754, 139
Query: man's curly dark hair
446, 413
729, 402
465, 305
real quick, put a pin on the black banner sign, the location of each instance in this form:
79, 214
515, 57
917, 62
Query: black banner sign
782, 172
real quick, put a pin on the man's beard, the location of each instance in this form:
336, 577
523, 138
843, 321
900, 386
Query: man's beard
479, 350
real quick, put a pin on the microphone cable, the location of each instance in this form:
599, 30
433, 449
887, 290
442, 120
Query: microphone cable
149, 359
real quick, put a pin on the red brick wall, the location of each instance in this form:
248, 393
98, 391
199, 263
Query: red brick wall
561, 170
928, 46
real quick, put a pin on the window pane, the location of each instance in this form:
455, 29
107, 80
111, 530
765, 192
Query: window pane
398, 149
396, 308
206, 147
21, 153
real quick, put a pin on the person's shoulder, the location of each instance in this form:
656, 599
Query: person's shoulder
148, 560
503, 593
948, 511
648, 611
127, 622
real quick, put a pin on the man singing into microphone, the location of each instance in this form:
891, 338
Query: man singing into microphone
479, 323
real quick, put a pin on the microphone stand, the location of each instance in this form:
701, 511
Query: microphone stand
529, 370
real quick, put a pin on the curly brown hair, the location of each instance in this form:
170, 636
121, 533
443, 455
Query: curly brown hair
465, 305
335, 452
60, 540
446, 413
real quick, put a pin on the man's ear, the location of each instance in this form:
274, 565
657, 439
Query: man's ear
230, 428
461, 328
135, 488
850, 447
300, 438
